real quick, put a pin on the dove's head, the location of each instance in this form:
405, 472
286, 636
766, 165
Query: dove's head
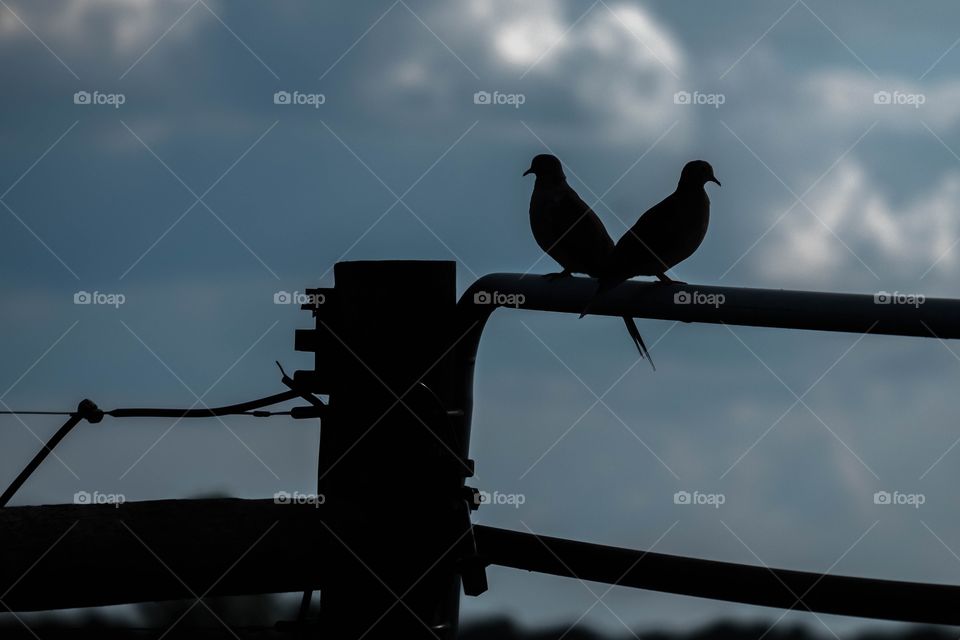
547, 167
697, 173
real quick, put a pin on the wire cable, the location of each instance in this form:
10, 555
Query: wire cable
90, 412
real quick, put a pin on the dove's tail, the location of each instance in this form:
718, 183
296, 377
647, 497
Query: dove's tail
602, 287
638, 339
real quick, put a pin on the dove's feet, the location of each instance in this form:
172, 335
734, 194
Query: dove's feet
558, 275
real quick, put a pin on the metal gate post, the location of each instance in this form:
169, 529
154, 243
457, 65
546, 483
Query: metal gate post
390, 471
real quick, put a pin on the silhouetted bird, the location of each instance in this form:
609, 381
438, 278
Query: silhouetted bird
667, 234
569, 231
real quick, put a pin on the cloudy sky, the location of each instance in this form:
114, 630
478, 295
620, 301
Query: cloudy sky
144, 156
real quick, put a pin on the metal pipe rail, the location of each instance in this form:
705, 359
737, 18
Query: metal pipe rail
806, 310
776, 308
65, 556
779, 308
781, 588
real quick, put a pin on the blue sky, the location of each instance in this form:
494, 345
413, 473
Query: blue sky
198, 198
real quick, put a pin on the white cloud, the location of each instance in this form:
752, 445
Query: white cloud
610, 72
8, 23
848, 98
799, 123
128, 26
914, 234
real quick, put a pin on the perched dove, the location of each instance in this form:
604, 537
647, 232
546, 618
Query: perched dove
569, 231
665, 235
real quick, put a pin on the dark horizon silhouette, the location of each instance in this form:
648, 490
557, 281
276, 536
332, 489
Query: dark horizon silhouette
266, 617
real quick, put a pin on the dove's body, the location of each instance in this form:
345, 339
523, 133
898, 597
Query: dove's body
666, 235
568, 230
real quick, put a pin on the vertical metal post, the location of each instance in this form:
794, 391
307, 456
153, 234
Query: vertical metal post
389, 467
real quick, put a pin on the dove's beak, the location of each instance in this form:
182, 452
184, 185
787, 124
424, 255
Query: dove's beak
528, 171
712, 179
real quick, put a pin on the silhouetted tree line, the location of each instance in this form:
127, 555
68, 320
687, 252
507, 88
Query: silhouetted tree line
256, 617
504, 629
